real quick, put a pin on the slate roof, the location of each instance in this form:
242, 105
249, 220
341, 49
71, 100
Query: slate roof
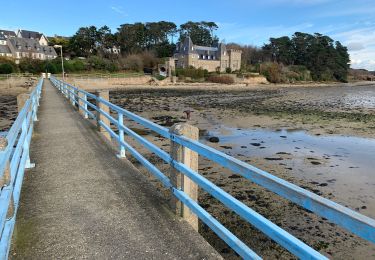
30, 34
49, 50
205, 48
4, 49
26, 45
8, 33
31, 45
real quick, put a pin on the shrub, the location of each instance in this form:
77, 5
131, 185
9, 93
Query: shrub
228, 70
149, 59
221, 79
50, 67
133, 62
192, 73
29, 65
6, 68
272, 71
78, 65
159, 77
111, 66
95, 62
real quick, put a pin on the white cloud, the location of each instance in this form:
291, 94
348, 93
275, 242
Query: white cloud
355, 46
361, 45
119, 10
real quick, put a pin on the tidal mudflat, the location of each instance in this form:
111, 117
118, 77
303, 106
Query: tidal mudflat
321, 138
9, 89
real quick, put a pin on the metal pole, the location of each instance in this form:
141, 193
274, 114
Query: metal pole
62, 64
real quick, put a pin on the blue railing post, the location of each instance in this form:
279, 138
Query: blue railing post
25, 146
73, 93
66, 90
34, 107
86, 115
121, 136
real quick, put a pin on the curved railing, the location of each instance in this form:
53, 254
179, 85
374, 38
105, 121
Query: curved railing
353, 221
14, 159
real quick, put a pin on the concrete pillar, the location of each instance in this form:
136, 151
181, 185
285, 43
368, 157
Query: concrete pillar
4, 180
82, 104
104, 94
21, 100
180, 181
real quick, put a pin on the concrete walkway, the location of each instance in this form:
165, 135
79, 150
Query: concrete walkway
81, 202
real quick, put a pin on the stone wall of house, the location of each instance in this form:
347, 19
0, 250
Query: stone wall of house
209, 65
235, 59
224, 62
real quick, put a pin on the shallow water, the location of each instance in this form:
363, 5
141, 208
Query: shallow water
344, 165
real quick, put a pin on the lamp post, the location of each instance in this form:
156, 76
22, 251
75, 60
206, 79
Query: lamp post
62, 61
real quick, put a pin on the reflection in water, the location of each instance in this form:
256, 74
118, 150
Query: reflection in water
345, 164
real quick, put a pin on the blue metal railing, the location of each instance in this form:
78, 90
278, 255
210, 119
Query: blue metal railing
14, 159
353, 221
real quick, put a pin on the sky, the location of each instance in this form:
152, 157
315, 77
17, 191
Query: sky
352, 22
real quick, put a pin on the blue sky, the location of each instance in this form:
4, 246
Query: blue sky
243, 21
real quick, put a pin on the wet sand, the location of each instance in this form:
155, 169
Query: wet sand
314, 112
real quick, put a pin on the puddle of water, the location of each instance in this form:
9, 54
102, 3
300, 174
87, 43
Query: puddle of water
344, 164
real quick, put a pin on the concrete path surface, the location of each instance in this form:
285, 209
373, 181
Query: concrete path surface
81, 202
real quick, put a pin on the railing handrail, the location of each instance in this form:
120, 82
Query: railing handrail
353, 221
14, 158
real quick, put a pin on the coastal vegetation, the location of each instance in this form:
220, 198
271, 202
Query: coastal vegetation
301, 57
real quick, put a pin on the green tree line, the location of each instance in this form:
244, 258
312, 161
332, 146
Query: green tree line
146, 44
325, 58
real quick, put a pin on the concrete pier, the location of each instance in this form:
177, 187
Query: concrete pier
81, 201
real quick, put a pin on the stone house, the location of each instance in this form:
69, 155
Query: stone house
211, 58
114, 50
33, 45
33, 35
18, 48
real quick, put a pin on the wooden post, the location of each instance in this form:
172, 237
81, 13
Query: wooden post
180, 181
104, 94
21, 100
